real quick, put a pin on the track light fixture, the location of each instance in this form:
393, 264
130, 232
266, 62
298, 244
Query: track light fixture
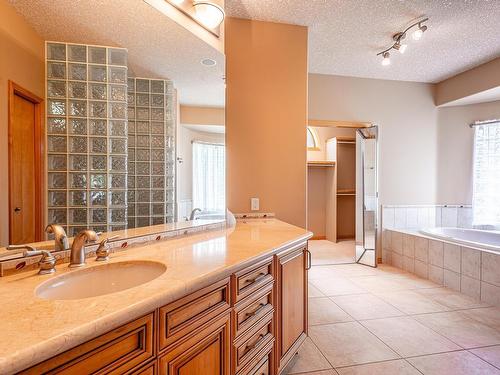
399, 38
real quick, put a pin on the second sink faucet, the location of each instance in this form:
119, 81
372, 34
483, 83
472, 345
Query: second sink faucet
193, 213
77, 257
60, 237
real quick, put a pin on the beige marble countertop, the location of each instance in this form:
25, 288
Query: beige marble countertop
34, 329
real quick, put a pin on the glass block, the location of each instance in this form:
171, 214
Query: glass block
56, 125
130, 221
118, 146
118, 110
98, 162
169, 169
77, 216
143, 182
131, 182
157, 141
157, 100
158, 86
117, 74
98, 198
118, 128
143, 154
118, 163
157, 168
77, 72
131, 209
97, 91
78, 198
73, 231
98, 215
155, 220
117, 56
157, 155
56, 143
98, 181
57, 216
130, 196
56, 70
78, 126
169, 196
78, 145
142, 222
131, 154
158, 195
100, 228
130, 84
97, 55
56, 107
57, 198
157, 114
142, 168
170, 210
56, 89
56, 51
57, 180
98, 145
118, 181
169, 156
131, 113
142, 85
78, 162
142, 127
131, 127
142, 100
143, 196
77, 53
131, 99
98, 109
131, 141
142, 141
78, 180
97, 73
78, 108
142, 113
118, 93
98, 127
158, 182
158, 209
157, 127
170, 183
143, 209
77, 90
131, 167
118, 198
117, 227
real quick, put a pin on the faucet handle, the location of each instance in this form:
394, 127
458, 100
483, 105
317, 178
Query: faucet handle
47, 263
102, 251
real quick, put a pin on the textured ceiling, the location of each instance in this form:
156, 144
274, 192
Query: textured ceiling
157, 46
345, 35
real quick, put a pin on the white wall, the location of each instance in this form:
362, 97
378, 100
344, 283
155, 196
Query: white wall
455, 140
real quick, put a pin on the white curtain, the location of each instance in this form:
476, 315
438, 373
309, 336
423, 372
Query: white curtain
209, 180
486, 175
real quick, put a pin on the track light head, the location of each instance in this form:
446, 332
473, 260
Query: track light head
386, 59
417, 34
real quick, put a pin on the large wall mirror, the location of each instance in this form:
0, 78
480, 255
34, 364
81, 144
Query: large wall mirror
128, 130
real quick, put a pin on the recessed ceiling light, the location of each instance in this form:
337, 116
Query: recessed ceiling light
208, 62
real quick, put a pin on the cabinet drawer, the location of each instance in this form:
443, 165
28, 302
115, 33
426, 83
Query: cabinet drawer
252, 342
183, 316
253, 308
252, 278
262, 363
115, 352
146, 370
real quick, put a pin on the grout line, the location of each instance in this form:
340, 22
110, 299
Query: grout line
483, 359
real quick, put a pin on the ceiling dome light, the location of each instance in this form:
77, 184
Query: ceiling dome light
209, 14
417, 34
386, 59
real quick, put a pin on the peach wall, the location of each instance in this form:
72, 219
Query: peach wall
202, 115
22, 61
266, 115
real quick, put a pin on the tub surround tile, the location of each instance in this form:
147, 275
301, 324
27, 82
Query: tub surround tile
452, 257
456, 363
436, 274
470, 287
436, 253
408, 245
490, 293
386, 256
386, 239
388, 217
490, 268
471, 263
397, 242
421, 269
422, 249
451, 280
409, 264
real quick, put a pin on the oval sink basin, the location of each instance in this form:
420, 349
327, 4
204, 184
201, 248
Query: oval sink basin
100, 280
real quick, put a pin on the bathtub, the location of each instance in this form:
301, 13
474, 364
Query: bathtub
483, 239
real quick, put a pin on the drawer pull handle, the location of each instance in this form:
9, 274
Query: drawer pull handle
252, 346
256, 311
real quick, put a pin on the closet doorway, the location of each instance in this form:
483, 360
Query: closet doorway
331, 190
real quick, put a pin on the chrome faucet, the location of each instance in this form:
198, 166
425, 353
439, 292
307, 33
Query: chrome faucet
47, 262
77, 257
60, 237
193, 213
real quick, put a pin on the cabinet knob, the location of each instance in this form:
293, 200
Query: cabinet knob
17, 209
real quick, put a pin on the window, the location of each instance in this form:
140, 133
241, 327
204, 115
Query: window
209, 181
486, 174
312, 139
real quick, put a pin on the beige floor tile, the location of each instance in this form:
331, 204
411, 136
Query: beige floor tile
387, 270
325, 311
324, 372
348, 344
462, 330
454, 363
398, 367
385, 284
354, 270
451, 298
366, 306
309, 359
313, 291
489, 316
407, 337
337, 286
327, 252
490, 354
411, 302
323, 272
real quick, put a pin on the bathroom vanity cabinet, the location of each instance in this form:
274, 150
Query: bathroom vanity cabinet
251, 322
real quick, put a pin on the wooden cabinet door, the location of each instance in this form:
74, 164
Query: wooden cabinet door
292, 303
205, 352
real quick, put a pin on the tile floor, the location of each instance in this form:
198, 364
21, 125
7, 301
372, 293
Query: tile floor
370, 321
326, 252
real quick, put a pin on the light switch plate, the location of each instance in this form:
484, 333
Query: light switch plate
254, 204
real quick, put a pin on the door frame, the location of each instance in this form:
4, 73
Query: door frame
39, 135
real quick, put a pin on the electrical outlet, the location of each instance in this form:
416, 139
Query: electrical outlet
254, 204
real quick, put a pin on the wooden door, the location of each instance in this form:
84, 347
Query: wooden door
25, 166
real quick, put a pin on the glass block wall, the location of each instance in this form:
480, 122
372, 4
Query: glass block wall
86, 136
151, 152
